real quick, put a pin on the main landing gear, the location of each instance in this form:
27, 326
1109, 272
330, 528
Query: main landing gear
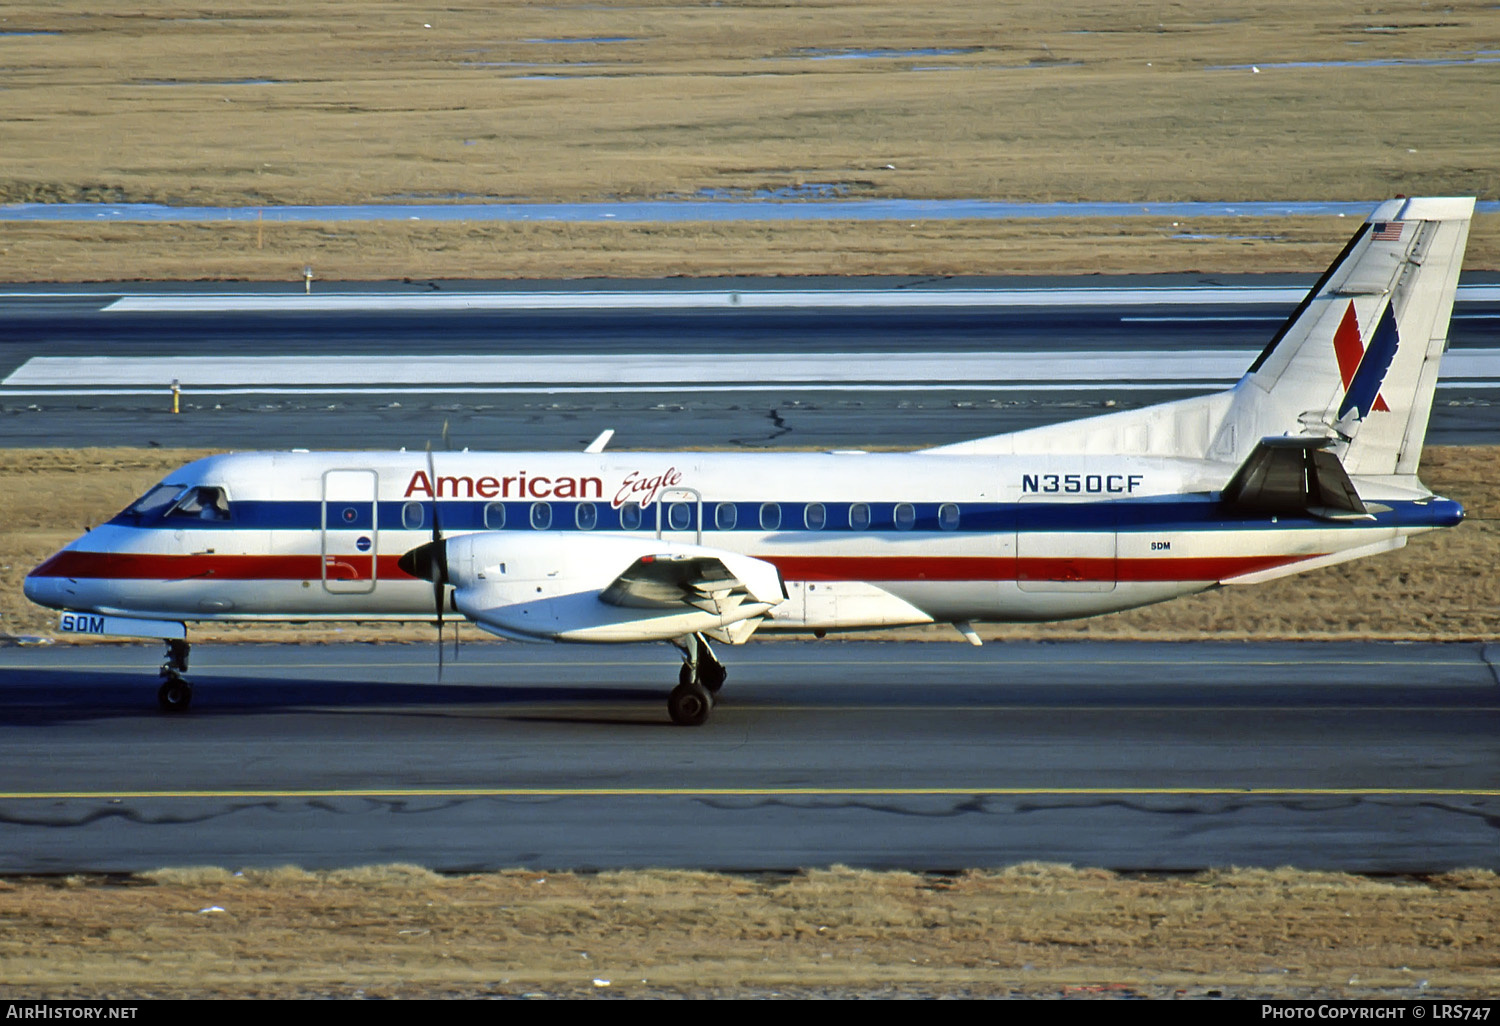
176, 691
701, 677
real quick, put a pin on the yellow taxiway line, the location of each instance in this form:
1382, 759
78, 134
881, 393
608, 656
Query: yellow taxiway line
218, 667
765, 792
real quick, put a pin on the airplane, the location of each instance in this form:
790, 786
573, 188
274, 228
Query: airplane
1311, 459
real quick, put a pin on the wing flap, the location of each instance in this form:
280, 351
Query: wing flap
671, 580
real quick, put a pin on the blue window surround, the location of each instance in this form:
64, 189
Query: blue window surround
1173, 513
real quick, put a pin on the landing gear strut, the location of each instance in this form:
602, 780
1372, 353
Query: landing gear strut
699, 680
176, 691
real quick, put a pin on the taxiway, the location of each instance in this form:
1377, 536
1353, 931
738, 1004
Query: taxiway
1365, 757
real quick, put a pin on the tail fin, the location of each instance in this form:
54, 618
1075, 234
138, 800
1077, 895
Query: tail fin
1353, 369
1357, 361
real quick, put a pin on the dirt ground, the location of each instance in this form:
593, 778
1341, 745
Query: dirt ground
1033, 930
277, 103
1441, 587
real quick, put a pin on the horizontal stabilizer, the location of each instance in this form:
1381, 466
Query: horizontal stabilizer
1295, 476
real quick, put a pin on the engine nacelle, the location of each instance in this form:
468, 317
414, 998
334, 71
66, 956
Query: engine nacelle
582, 587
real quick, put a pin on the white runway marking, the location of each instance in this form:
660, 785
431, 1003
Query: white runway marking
1272, 318
772, 299
650, 370
340, 374
213, 390
699, 300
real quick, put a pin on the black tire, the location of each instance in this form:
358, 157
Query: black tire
711, 676
174, 695
689, 705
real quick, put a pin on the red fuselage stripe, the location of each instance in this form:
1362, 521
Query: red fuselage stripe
140, 566
135, 566
1030, 568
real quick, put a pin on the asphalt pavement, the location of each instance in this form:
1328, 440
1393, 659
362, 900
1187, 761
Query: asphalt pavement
735, 362
1367, 757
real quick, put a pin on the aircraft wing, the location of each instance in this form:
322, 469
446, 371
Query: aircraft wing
672, 580
568, 587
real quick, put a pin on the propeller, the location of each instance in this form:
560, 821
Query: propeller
439, 557
430, 561
447, 447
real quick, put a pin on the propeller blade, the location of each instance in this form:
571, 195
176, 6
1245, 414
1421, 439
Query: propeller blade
437, 531
437, 552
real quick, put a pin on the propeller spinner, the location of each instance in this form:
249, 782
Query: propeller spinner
428, 561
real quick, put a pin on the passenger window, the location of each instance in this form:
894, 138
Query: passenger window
859, 516
411, 516
770, 517
494, 516
815, 516
948, 516
201, 504
630, 516
906, 516
541, 515
680, 516
726, 516
586, 517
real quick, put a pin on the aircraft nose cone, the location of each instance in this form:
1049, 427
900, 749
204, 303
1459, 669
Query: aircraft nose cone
429, 562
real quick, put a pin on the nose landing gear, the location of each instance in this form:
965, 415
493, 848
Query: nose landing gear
176, 691
699, 680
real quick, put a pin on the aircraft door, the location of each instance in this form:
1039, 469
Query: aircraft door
679, 515
350, 538
1066, 546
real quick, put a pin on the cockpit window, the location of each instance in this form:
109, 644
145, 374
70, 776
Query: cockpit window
155, 502
201, 503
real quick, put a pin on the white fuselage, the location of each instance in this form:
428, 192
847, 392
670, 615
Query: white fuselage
860, 540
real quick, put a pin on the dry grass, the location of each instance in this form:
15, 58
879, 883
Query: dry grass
1050, 100
393, 250
1033, 929
1442, 587
1045, 101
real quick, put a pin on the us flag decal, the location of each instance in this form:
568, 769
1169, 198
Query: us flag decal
1388, 231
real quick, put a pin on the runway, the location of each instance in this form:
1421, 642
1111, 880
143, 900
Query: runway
1375, 758
667, 364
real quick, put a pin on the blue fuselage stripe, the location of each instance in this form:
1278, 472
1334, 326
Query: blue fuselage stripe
1190, 513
